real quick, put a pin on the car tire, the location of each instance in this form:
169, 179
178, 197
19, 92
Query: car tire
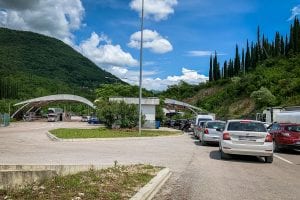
224, 156
269, 159
275, 147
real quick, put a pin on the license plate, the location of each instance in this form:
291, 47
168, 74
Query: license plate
245, 138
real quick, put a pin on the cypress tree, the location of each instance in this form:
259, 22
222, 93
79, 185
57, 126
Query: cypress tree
225, 70
237, 62
258, 52
277, 44
282, 50
243, 61
210, 69
286, 48
215, 67
247, 58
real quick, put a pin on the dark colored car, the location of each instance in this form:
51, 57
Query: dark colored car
94, 120
285, 136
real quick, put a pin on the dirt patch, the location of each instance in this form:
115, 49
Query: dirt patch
241, 108
203, 93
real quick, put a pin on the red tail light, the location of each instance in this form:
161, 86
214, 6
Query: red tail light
269, 138
226, 136
206, 131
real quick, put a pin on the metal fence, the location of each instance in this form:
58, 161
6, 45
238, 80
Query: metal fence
4, 119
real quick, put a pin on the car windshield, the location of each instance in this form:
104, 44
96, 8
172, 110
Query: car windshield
246, 126
203, 119
293, 128
215, 125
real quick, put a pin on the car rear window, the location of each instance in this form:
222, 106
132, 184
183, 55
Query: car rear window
246, 126
293, 128
215, 125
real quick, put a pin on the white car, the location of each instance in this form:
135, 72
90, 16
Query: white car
246, 137
211, 132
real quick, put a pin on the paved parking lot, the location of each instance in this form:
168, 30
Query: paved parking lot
198, 171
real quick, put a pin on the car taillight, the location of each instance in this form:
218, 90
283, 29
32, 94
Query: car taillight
285, 134
226, 136
206, 131
269, 138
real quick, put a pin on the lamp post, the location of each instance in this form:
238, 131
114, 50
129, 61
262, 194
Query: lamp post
141, 75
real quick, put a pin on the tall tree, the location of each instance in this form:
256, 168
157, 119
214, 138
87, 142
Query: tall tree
237, 61
258, 52
225, 70
247, 58
210, 69
216, 68
243, 61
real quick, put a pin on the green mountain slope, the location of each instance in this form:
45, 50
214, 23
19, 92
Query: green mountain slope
33, 65
233, 97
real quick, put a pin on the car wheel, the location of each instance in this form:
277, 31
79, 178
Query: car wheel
275, 146
224, 156
269, 159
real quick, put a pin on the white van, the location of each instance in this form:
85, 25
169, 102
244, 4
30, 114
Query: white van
202, 118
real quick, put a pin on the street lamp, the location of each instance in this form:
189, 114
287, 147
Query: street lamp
141, 65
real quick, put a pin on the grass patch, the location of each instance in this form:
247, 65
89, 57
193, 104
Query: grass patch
66, 133
119, 182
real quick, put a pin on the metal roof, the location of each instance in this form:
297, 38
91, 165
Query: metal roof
180, 103
58, 97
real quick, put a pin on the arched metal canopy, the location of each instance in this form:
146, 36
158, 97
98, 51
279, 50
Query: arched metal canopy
40, 101
182, 104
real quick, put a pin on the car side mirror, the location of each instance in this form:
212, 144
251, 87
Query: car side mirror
219, 129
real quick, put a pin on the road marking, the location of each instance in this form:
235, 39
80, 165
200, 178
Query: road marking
283, 159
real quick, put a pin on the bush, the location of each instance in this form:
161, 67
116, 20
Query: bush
118, 114
263, 97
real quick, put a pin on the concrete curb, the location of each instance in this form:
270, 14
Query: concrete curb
148, 191
54, 138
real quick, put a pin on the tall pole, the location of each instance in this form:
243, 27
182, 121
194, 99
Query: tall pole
141, 66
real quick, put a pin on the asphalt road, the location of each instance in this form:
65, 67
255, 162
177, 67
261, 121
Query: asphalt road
198, 171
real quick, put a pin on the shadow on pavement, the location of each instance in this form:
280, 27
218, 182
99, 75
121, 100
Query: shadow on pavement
289, 151
216, 155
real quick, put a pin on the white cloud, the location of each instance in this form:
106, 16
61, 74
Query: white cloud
150, 83
295, 12
56, 18
203, 53
156, 9
151, 40
100, 50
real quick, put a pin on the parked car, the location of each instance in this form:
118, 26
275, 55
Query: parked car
246, 137
85, 118
179, 123
198, 128
94, 120
211, 131
285, 136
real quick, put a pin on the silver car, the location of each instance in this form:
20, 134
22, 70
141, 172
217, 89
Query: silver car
246, 137
211, 132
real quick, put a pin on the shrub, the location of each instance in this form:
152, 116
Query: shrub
263, 97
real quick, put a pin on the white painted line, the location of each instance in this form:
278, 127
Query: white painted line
283, 159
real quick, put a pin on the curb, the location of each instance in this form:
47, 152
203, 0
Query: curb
54, 138
148, 191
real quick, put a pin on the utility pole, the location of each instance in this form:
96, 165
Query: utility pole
141, 75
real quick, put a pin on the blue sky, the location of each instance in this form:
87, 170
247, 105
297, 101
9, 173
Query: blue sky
180, 34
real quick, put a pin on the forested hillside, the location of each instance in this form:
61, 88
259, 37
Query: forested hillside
33, 65
267, 73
